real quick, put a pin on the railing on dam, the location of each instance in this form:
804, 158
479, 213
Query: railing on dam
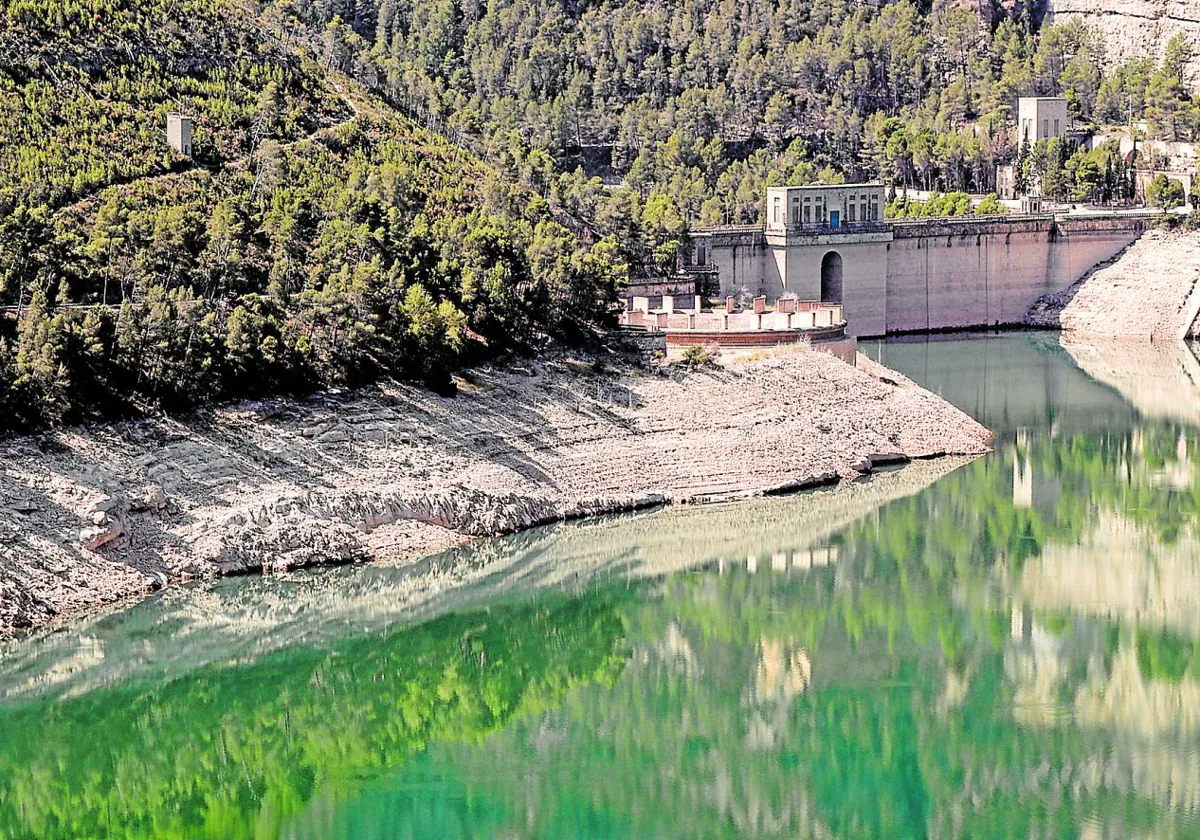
966, 221
879, 226
1053, 224
730, 235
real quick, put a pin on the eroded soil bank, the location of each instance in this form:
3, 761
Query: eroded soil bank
89, 517
1151, 291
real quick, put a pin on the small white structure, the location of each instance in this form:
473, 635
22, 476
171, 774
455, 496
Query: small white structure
179, 134
1041, 118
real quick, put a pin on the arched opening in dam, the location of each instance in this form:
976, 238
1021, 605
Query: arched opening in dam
831, 278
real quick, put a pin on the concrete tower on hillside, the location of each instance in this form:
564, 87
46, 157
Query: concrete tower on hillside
179, 133
1040, 118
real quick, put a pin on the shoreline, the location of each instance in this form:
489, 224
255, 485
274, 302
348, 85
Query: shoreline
198, 624
1149, 292
89, 519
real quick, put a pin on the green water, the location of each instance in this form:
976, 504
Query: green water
1008, 648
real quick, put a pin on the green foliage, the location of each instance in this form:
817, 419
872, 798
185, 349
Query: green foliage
708, 102
990, 206
696, 357
317, 239
1164, 193
1063, 173
87, 85
950, 204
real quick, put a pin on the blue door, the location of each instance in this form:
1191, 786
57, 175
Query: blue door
835, 218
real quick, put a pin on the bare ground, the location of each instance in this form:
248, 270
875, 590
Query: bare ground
1149, 291
90, 517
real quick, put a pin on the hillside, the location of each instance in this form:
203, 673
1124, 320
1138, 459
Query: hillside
90, 518
85, 88
317, 238
698, 105
1150, 291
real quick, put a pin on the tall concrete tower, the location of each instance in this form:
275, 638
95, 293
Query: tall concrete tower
179, 133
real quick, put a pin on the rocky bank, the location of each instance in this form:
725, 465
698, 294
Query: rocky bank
89, 517
189, 627
1150, 291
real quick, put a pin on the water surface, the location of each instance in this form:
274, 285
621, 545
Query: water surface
1004, 648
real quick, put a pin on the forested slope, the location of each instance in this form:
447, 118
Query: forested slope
707, 102
382, 186
316, 238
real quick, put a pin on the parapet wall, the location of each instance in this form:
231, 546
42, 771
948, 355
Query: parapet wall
947, 274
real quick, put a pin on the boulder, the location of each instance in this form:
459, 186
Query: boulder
98, 536
338, 434
861, 465
887, 459
26, 506
153, 499
105, 504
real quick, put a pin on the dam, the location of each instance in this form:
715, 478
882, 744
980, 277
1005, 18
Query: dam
829, 243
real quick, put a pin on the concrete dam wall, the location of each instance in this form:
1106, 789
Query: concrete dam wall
916, 276
944, 275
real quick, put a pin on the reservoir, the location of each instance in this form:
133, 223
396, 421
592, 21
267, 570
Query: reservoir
997, 648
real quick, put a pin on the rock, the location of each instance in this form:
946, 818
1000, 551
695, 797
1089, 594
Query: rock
1131, 28
158, 471
338, 434
99, 517
98, 536
26, 506
887, 459
862, 465
154, 499
105, 504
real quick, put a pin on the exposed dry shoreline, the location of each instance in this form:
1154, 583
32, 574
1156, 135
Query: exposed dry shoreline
90, 517
1150, 291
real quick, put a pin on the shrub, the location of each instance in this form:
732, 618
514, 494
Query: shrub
695, 356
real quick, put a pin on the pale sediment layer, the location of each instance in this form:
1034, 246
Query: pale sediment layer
91, 517
189, 627
1150, 291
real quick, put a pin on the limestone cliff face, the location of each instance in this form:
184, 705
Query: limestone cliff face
1133, 28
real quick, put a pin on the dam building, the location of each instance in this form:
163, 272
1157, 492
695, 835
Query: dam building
1040, 118
831, 244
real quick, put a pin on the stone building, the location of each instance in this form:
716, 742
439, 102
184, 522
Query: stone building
1040, 118
823, 206
179, 134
